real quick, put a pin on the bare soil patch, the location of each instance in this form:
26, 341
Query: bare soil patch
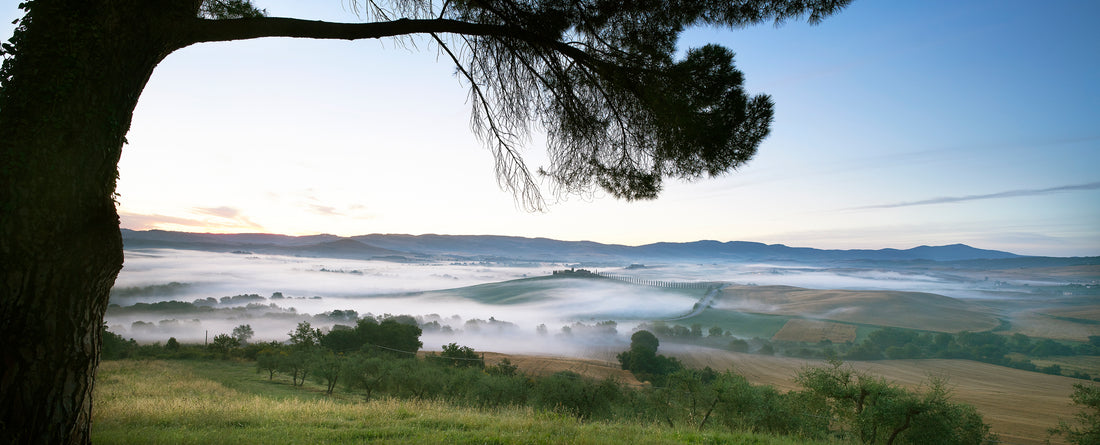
813, 331
913, 310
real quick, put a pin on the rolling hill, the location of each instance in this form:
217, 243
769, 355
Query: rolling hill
912, 310
480, 247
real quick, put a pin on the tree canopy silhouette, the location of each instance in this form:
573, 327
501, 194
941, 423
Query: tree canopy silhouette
622, 109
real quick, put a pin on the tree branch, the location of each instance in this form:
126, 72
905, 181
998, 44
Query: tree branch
202, 30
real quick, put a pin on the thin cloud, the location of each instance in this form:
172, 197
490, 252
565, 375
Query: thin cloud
356, 211
325, 210
206, 219
1006, 194
227, 217
878, 162
220, 212
139, 221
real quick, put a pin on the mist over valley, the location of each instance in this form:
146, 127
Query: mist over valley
455, 279
987, 319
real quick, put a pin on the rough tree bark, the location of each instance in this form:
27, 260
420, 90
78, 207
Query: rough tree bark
63, 117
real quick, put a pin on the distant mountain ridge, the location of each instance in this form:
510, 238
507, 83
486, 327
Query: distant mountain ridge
425, 247
328, 246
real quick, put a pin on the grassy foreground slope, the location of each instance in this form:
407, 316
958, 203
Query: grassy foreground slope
200, 402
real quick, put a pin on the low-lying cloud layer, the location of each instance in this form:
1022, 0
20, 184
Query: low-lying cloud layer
218, 274
543, 316
322, 285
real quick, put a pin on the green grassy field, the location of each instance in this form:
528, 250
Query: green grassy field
200, 402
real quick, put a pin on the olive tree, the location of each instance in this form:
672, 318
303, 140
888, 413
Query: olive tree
1087, 429
875, 411
243, 333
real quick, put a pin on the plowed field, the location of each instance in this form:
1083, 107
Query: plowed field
813, 331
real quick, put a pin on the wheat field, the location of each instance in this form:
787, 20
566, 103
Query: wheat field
813, 331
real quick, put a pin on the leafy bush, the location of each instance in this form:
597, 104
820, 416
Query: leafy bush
223, 343
875, 411
368, 374
460, 356
113, 346
498, 390
504, 368
568, 392
1087, 432
642, 359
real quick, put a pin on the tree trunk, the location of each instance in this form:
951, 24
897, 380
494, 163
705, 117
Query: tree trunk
904, 426
709, 411
75, 78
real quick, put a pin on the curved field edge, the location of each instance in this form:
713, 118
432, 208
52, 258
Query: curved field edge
190, 402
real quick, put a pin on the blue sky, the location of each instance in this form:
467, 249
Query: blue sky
898, 123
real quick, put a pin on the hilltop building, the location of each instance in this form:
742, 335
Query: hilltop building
574, 272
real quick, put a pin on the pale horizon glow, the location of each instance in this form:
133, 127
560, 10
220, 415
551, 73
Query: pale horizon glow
898, 124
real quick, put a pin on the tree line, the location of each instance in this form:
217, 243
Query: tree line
1015, 351
989, 347
377, 358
